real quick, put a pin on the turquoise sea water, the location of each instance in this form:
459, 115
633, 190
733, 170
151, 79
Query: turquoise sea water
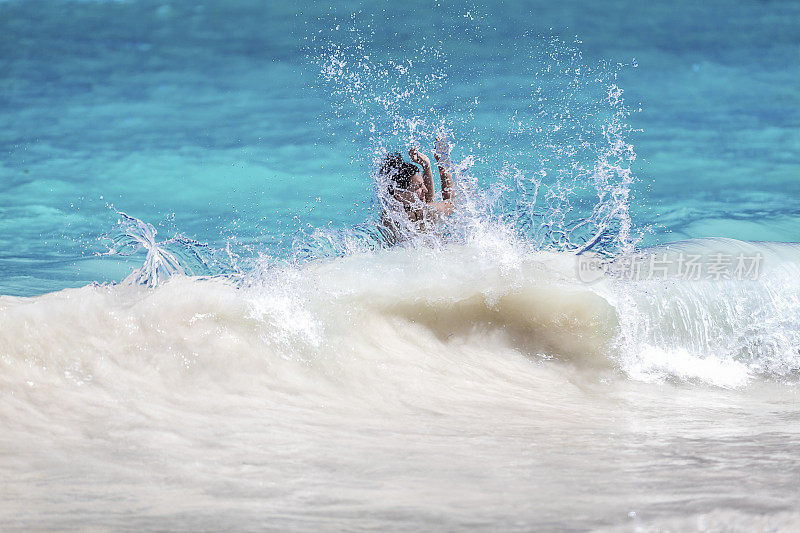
211, 120
603, 335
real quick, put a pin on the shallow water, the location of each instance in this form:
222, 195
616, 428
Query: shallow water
483, 376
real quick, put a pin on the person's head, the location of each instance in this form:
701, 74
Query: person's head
405, 182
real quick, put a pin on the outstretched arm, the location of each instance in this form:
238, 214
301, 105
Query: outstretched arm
442, 155
427, 175
448, 190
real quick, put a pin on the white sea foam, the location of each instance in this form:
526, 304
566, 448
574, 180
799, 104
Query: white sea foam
408, 386
724, 333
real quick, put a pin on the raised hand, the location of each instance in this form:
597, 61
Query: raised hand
418, 157
442, 155
427, 176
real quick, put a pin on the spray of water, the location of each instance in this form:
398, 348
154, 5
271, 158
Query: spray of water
554, 174
162, 259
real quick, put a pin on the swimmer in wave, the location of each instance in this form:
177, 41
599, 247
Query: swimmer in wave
412, 193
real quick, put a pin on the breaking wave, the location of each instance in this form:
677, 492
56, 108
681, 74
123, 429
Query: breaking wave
407, 304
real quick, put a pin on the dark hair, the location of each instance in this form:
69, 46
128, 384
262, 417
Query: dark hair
398, 171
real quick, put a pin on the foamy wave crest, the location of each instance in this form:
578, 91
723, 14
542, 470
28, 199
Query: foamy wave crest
458, 308
367, 322
723, 331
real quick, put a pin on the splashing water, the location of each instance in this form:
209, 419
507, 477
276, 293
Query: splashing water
566, 189
176, 255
